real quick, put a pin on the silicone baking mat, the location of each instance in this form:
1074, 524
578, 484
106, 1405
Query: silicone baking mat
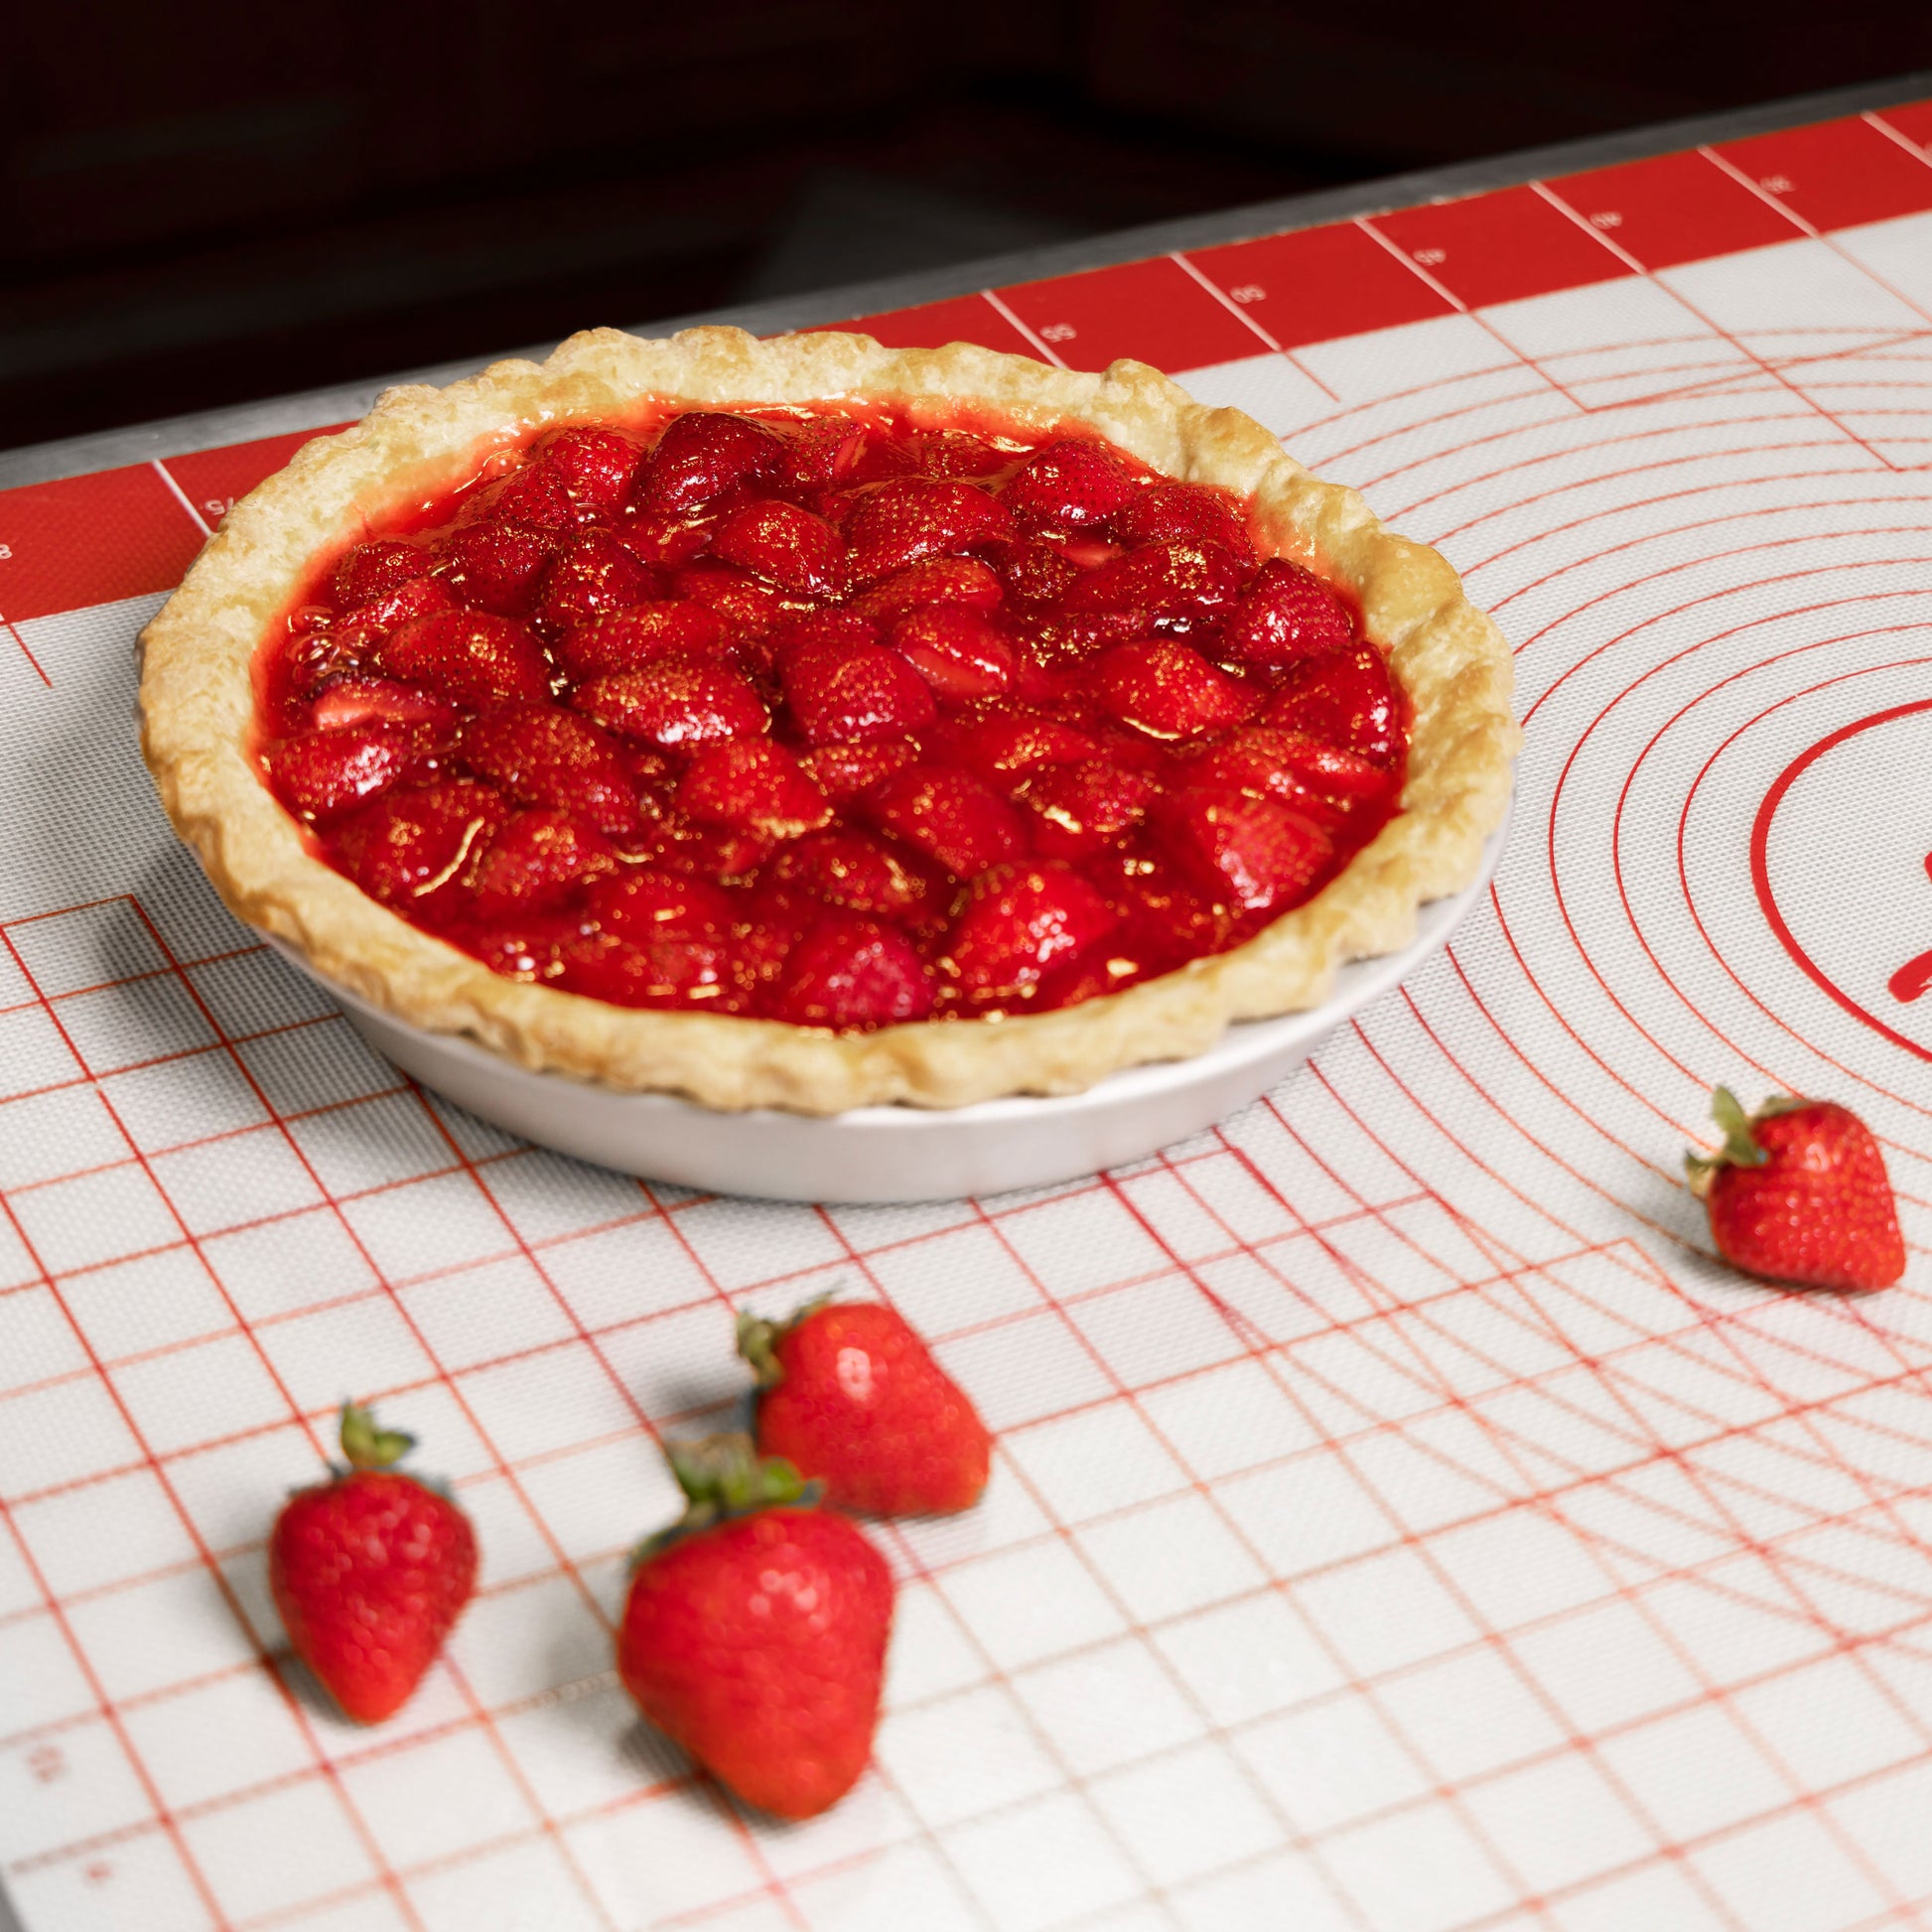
1399, 1521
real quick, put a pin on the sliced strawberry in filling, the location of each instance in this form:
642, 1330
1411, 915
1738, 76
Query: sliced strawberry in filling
323, 775
849, 972
469, 656
495, 566
1169, 690
953, 818
1023, 922
537, 860
678, 702
845, 695
754, 785
1186, 513
939, 580
412, 847
591, 576
858, 872
1255, 851
1285, 616
702, 454
959, 652
794, 549
540, 755
628, 639
900, 523
824, 718
1347, 698
1183, 586
373, 569
1069, 485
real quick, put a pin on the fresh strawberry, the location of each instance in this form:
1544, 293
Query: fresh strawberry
794, 549
1183, 586
849, 1394
469, 655
1022, 922
756, 1629
847, 971
755, 783
939, 580
1321, 780
543, 756
1285, 614
1083, 807
371, 1570
845, 694
321, 775
628, 639
597, 465
1169, 690
1068, 485
590, 577
678, 703
1189, 514
1254, 852
411, 849
536, 860
379, 701
495, 566
702, 454
903, 521
952, 817
1798, 1192
749, 605
1345, 697
850, 869
1013, 745
844, 773
957, 650
374, 569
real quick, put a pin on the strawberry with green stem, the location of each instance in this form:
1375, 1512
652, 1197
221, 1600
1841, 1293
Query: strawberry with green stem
850, 1393
1798, 1192
756, 1629
371, 1570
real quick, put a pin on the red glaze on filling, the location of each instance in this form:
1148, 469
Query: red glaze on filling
827, 719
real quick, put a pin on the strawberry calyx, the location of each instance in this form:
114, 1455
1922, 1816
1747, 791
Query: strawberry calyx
366, 1446
759, 1339
1740, 1146
723, 1477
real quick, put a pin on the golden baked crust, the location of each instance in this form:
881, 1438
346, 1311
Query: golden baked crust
197, 717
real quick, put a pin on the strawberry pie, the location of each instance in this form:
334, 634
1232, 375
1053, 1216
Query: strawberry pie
811, 723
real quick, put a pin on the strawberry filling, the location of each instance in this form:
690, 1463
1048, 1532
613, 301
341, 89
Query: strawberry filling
825, 718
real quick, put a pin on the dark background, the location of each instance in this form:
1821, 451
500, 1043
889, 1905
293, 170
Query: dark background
212, 203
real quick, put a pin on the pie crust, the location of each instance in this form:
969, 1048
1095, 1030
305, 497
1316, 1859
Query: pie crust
197, 711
